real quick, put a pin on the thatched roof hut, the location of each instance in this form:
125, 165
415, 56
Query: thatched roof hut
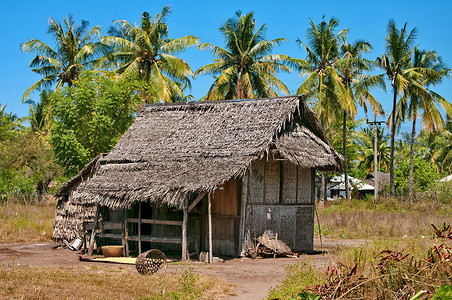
173, 151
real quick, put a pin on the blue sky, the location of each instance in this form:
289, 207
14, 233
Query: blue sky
21, 21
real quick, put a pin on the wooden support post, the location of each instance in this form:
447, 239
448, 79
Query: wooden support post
184, 230
93, 233
126, 230
139, 228
209, 212
242, 242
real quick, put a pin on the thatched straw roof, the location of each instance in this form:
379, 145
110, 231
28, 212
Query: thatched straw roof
173, 150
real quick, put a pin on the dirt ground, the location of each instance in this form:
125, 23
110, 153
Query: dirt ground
252, 277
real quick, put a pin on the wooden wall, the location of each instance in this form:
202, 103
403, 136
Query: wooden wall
280, 199
225, 219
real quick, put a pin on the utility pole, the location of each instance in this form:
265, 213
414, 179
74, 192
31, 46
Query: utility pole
375, 123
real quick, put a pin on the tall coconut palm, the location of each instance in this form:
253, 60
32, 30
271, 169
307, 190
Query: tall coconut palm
416, 99
147, 51
76, 49
323, 84
350, 67
245, 68
396, 62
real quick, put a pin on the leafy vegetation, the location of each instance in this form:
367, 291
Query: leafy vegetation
91, 116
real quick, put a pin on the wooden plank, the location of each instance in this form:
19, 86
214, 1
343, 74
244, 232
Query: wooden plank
209, 205
123, 241
126, 234
154, 239
93, 233
111, 225
112, 236
184, 229
244, 199
156, 222
224, 200
139, 228
199, 198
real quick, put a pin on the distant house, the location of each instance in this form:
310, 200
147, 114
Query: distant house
383, 179
336, 186
213, 174
446, 179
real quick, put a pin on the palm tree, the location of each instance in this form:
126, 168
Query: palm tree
38, 112
323, 84
245, 68
146, 51
350, 68
416, 99
443, 156
76, 50
9, 123
397, 65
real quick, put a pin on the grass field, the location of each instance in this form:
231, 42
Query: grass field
26, 223
403, 256
105, 283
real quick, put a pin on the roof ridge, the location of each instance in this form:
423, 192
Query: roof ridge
203, 102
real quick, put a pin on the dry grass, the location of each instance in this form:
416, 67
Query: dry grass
26, 223
110, 283
398, 280
389, 219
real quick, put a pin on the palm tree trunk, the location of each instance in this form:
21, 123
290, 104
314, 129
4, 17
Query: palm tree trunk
391, 162
410, 183
344, 145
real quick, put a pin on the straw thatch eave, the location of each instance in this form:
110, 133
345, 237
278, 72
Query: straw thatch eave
173, 151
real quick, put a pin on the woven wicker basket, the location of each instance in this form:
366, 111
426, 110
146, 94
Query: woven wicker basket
112, 251
151, 262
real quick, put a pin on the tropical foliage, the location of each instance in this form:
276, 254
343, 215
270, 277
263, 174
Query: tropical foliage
92, 86
91, 116
245, 68
76, 49
147, 52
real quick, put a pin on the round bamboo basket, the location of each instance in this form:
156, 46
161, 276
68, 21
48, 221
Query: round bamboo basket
151, 262
112, 251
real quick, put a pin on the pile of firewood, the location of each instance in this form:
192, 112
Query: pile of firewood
270, 246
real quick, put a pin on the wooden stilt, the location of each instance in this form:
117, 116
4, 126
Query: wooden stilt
184, 230
139, 228
93, 233
126, 231
244, 198
209, 198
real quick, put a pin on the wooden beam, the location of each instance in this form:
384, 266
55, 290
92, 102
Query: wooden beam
184, 229
242, 246
209, 212
199, 198
93, 233
155, 222
139, 228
